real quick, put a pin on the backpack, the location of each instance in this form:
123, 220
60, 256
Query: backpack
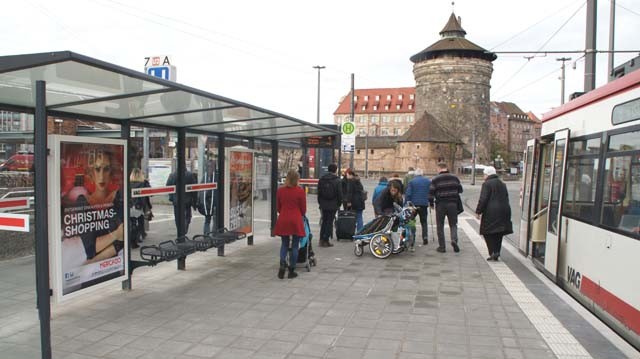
327, 189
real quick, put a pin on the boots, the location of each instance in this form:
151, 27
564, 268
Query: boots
281, 270
292, 273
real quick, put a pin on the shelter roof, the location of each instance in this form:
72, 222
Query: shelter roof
86, 88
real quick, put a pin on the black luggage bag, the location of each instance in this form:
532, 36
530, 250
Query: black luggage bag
345, 225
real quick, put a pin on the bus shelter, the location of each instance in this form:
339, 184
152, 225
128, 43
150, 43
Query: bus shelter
70, 85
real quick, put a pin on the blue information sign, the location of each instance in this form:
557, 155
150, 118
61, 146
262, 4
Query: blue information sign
162, 72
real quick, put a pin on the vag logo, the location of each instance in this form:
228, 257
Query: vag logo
573, 277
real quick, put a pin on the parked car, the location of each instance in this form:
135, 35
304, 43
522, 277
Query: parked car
18, 162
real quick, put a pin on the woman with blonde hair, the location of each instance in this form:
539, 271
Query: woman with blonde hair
137, 208
291, 203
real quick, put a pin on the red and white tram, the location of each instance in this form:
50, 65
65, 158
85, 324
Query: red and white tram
581, 202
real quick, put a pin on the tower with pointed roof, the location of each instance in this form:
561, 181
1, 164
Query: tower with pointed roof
452, 88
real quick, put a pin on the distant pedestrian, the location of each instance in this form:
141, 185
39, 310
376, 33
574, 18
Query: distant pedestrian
137, 208
291, 204
417, 192
189, 201
354, 196
207, 200
329, 199
389, 196
382, 184
445, 190
410, 174
494, 212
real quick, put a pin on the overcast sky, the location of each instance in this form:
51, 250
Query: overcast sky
262, 52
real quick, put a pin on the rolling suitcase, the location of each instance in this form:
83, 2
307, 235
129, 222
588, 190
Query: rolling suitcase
345, 225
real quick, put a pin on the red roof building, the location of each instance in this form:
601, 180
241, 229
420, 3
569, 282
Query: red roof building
380, 112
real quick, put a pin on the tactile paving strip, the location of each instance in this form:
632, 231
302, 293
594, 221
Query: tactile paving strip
563, 344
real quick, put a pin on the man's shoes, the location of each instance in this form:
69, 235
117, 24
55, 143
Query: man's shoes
441, 250
490, 258
455, 247
425, 242
495, 256
325, 243
329, 244
322, 243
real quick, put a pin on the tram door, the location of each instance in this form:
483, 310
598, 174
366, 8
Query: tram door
552, 247
526, 199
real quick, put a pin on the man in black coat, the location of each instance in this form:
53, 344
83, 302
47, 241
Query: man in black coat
329, 199
494, 212
189, 201
445, 190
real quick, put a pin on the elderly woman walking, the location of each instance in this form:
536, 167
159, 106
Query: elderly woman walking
291, 203
494, 212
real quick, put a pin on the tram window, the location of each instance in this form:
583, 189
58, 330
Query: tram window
580, 188
625, 141
555, 190
584, 147
621, 197
625, 112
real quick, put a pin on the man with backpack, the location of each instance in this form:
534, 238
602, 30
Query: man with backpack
329, 199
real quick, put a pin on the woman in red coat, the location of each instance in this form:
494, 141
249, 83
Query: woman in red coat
291, 202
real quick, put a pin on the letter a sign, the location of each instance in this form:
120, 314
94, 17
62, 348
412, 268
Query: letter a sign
160, 66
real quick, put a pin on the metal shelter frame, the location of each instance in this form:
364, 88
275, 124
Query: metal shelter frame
70, 85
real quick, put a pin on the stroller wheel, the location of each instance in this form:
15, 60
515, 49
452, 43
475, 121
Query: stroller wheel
358, 250
381, 246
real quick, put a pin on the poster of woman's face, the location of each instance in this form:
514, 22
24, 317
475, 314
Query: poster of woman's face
92, 228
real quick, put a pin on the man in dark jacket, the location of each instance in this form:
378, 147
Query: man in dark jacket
189, 201
445, 190
329, 199
418, 193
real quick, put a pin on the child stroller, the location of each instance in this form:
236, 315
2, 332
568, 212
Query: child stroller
306, 257
386, 234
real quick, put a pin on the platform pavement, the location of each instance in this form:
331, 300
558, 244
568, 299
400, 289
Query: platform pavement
412, 305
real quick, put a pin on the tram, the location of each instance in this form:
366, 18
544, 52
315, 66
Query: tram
580, 202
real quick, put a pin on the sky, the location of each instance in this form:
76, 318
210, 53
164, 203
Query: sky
263, 52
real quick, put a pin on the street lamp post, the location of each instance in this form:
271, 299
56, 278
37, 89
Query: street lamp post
317, 159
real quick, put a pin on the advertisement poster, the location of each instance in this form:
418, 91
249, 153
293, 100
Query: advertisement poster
239, 190
89, 227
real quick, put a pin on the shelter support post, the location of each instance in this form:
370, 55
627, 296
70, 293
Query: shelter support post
274, 183
251, 145
220, 189
305, 162
180, 192
43, 292
125, 134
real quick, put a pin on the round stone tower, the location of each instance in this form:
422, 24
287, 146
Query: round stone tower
452, 85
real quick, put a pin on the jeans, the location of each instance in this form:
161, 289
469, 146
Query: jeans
209, 224
359, 222
411, 235
447, 209
187, 219
326, 227
423, 212
284, 248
